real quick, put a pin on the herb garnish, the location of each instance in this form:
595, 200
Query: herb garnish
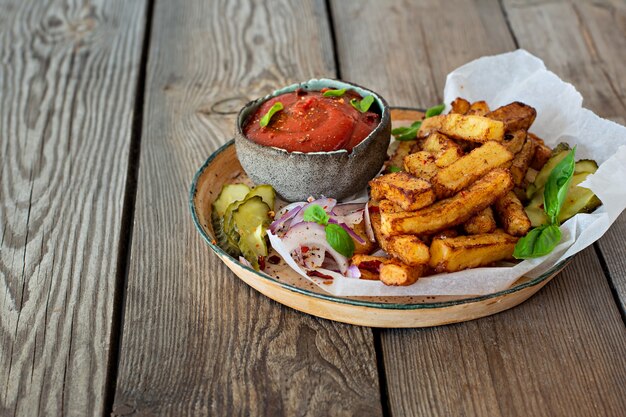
362, 105
265, 120
543, 239
334, 93
410, 133
336, 236
394, 169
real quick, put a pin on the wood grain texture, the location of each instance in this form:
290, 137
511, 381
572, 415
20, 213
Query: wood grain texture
562, 352
196, 340
585, 44
68, 73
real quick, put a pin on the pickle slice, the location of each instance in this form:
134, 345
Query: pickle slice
229, 194
266, 192
250, 220
558, 154
578, 200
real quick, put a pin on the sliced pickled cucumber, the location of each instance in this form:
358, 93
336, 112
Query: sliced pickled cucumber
586, 165
250, 220
222, 239
229, 194
266, 192
558, 154
578, 200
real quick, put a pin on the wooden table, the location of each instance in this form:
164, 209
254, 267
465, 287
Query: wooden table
111, 303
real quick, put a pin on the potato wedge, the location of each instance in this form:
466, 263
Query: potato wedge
446, 151
515, 116
463, 252
521, 162
512, 215
479, 108
460, 106
421, 164
542, 152
403, 189
514, 141
407, 248
469, 168
397, 273
403, 149
464, 127
388, 206
481, 222
368, 265
452, 211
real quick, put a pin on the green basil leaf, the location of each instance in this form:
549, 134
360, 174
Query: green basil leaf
316, 214
265, 120
557, 186
363, 105
334, 93
434, 110
339, 240
410, 134
399, 130
394, 169
538, 242
417, 124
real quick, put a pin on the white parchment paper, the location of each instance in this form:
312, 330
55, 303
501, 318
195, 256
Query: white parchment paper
499, 80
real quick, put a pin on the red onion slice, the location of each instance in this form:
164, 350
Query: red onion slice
285, 217
312, 235
326, 203
368, 224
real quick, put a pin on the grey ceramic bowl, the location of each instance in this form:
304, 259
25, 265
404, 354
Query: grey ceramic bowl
297, 175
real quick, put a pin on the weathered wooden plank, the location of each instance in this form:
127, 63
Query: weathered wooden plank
68, 73
549, 356
196, 340
585, 43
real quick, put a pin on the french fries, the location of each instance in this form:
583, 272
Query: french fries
460, 106
464, 127
403, 149
463, 252
478, 108
452, 211
481, 222
408, 192
521, 162
467, 169
421, 164
515, 116
406, 248
512, 215
457, 205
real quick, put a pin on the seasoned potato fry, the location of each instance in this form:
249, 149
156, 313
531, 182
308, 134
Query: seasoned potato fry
403, 149
452, 211
458, 253
479, 108
395, 272
542, 152
515, 116
460, 106
444, 234
421, 164
388, 206
481, 222
368, 246
464, 127
514, 141
512, 215
521, 162
446, 151
469, 168
368, 265
407, 248
408, 192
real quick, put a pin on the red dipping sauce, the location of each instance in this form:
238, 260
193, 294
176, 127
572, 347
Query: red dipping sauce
310, 122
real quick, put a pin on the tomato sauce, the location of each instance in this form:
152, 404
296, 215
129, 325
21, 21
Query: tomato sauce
310, 122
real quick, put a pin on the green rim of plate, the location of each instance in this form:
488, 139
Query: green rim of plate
386, 306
